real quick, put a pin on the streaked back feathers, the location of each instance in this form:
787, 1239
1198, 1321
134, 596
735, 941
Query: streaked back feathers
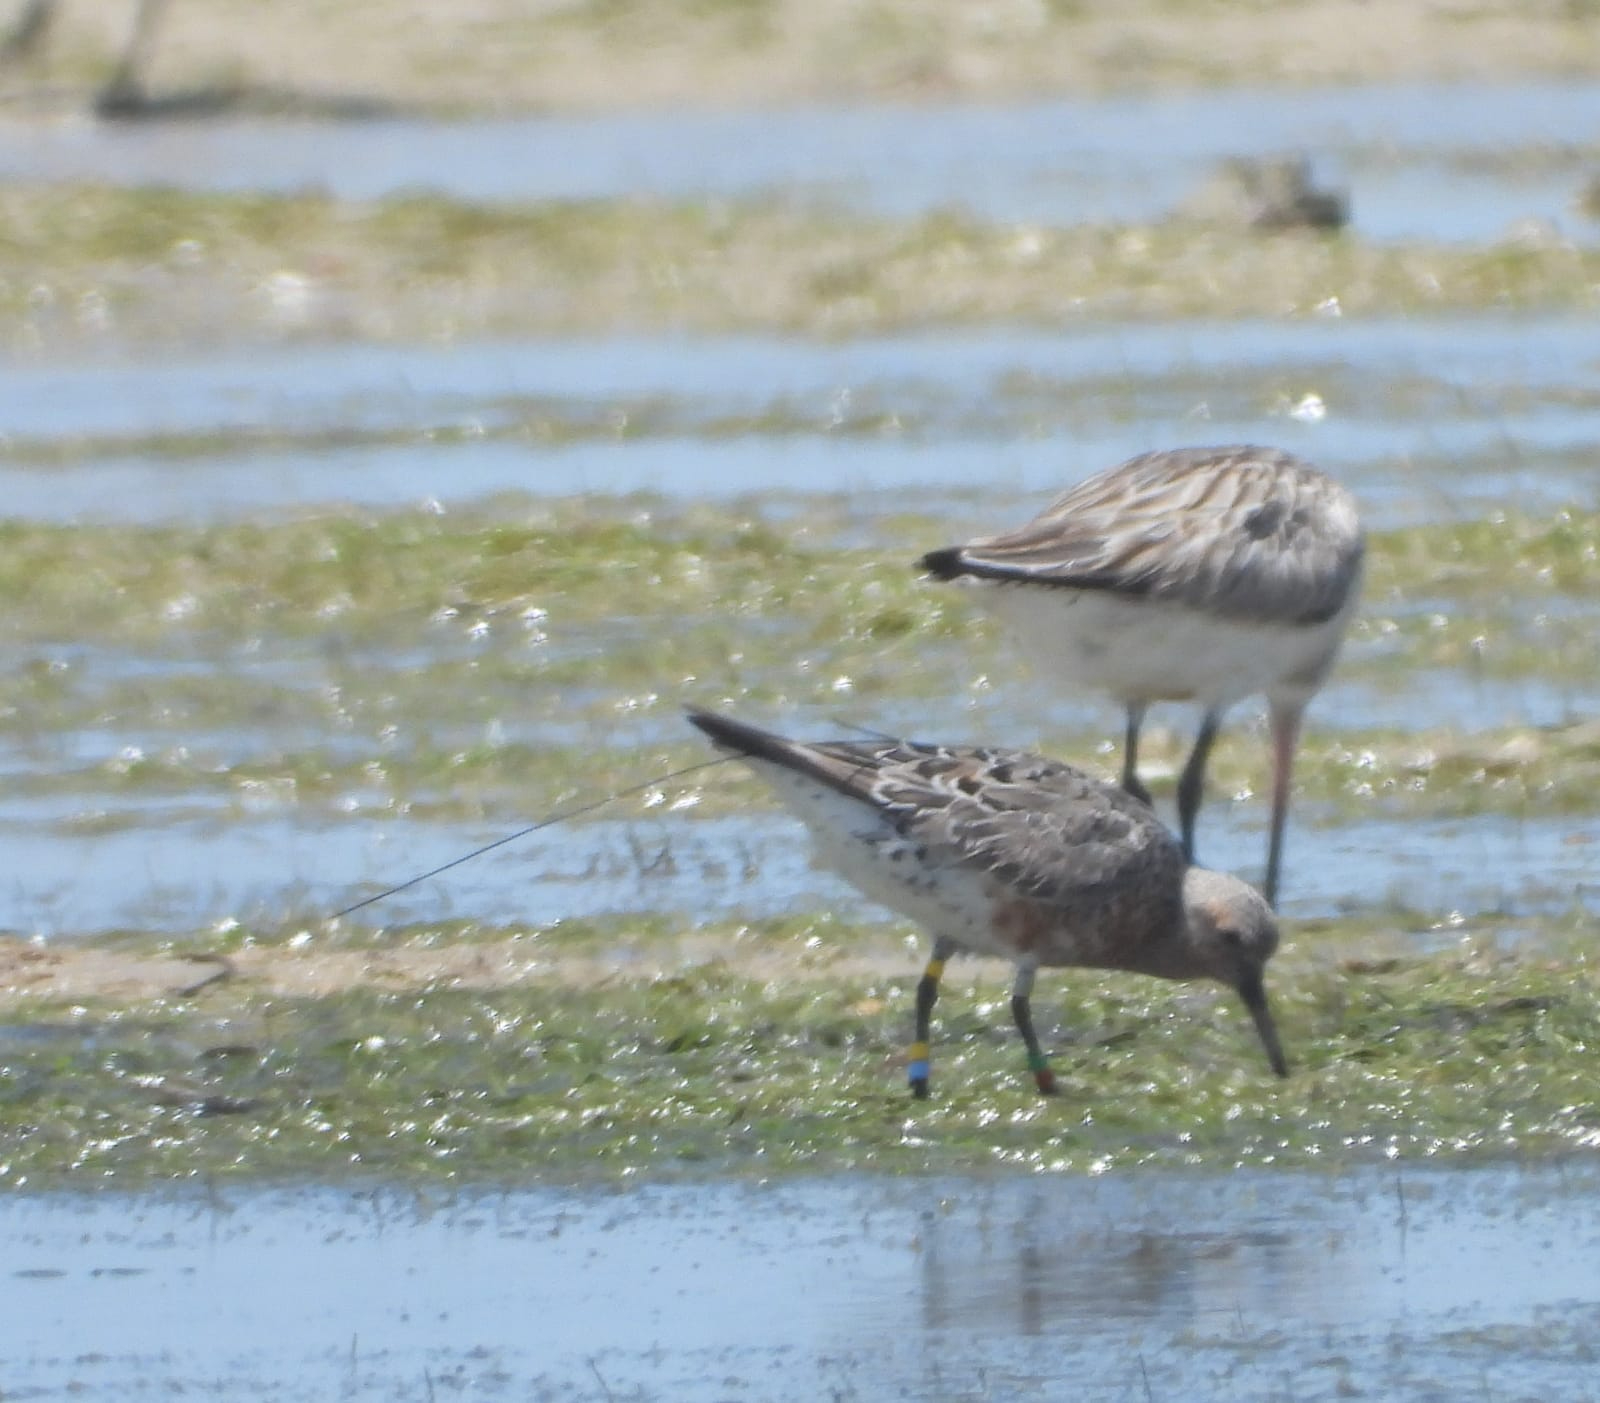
1244, 532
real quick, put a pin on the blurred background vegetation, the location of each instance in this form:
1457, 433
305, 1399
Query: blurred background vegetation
520, 56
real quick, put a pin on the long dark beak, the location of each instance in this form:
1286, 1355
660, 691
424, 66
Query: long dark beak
1254, 995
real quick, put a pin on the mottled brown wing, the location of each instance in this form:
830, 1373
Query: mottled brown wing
1240, 531
1048, 831
1044, 829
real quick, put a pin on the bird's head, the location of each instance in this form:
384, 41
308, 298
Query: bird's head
1232, 935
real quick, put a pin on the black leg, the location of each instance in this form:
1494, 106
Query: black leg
1130, 754
1021, 991
927, 996
1192, 783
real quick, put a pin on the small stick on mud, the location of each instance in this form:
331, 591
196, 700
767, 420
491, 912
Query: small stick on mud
226, 969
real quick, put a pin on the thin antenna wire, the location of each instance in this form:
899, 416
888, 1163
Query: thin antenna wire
546, 822
870, 731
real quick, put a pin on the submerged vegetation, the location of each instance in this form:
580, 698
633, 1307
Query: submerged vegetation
545, 562
468, 663
778, 1046
163, 265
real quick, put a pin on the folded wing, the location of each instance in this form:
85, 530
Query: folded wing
1242, 532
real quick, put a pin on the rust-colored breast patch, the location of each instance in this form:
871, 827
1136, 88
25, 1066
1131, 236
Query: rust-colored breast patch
1023, 927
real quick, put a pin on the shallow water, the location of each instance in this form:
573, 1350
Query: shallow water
1405, 151
1382, 1282
218, 828
1427, 482
178, 869
353, 385
1424, 419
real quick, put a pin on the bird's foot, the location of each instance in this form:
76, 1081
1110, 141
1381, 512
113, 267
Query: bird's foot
917, 1072
1043, 1077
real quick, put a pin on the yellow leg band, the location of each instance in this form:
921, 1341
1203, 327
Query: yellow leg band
935, 969
919, 1052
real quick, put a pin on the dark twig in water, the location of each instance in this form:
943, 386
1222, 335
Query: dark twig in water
548, 822
600, 1379
648, 865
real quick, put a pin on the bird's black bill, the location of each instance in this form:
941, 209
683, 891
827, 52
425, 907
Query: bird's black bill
1254, 995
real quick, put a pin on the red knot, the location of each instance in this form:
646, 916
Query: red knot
1201, 575
997, 852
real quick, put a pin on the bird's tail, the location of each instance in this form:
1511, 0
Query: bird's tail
742, 738
945, 564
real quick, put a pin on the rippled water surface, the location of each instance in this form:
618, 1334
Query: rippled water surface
170, 872
1384, 1282
1424, 418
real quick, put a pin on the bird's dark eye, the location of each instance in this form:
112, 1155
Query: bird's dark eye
1229, 936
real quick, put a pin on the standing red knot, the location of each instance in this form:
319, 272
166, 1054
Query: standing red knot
1203, 575
1002, 853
